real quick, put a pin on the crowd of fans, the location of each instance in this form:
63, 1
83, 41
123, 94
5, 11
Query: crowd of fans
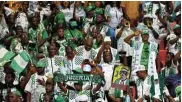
42, 42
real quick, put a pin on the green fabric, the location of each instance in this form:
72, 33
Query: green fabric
99, 11
60, 18
90, 7
161, 85
145, 32
178, 90
145, 55
78, 70
17, 93
59, 99
42, 63
73, 23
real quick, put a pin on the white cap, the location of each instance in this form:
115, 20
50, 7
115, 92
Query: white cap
107, 38
139, 68
82, 98
148, 15
87, 68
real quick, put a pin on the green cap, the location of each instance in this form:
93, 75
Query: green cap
145, 32
99, 11
42, 63
176, 26
90, 7
78, 70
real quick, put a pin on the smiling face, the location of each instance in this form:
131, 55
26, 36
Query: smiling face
145, 37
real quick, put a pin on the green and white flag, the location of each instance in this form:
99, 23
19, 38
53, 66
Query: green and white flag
20, 62
5, 55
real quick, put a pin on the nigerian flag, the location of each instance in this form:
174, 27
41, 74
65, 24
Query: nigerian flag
20, 62
5, 54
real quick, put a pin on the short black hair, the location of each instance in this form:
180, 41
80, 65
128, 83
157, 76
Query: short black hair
12, 74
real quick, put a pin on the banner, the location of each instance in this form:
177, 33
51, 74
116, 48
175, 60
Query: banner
120, 78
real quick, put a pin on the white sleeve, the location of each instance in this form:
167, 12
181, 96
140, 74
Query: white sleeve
28, 86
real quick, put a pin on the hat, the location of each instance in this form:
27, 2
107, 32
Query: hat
82, 98
145, 31
42, 63
90, 7
87, 68
107, 39
148, 16
78, 70
176, 26
99, 11
139, 68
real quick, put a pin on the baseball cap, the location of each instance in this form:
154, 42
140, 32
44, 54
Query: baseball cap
87, 68
139, 68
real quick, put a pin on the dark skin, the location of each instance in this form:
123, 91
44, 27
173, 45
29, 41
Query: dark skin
52, 50
88, 44
69, 53
14, 98
60, 33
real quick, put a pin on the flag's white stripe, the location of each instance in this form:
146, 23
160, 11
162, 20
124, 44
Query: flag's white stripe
3, 51
20, 61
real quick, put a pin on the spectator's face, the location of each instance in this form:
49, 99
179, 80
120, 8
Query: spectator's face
99, 38
78, 87
11, 19
139, 74
168, 58
89, 44
24, 38
107, 56
69, 52
19, 30
49, 88
98, 4
91, 13
53, 50
66, 4
9, 79
35, 21
94, 33
47, 98
13, 98
145, 37
60, 33
40, 70
107, 45
99, 18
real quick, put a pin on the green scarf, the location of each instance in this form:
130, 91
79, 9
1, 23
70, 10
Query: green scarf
145, 55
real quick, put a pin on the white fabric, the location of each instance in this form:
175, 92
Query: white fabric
22, 21
116, 15
35, 89
68, 12
172, 48
108, 72
136, 58
121, 45
143, 87
82, 98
